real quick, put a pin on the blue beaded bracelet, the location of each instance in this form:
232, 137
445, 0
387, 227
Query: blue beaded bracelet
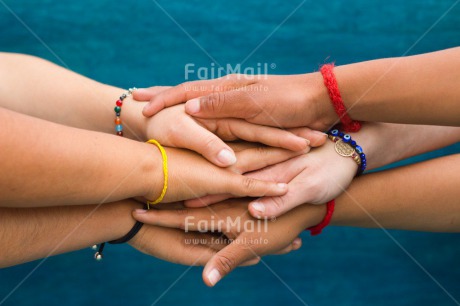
336, 135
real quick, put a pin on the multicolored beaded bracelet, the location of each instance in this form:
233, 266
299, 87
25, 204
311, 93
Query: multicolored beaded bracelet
117, 109
119, 130
346, 146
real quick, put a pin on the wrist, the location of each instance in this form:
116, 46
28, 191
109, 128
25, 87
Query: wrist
375, 139
316, 214
152, 177
133, 122
310, 215
363, 89
319, 102
347, 164
118, 215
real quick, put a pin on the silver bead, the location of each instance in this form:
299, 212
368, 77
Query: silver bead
94, 247
98, 256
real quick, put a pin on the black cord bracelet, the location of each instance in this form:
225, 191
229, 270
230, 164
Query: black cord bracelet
134, 230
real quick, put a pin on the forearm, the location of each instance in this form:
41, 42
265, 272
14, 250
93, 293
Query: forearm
420, 197
46, 164
421, 89
33, 233
41, 89
385, 143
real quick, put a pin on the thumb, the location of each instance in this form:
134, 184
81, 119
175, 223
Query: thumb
223, 262
269, 207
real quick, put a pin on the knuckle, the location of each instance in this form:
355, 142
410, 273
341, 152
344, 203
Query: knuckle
213, 102
226, 263
230, 76
262, 151
183, 90
210, 143
249, 184
182, 212
224, 130
175, 133
279, 203
181, 225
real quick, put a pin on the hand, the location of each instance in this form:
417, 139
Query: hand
316, 178
176, 246
274, 237
280, 101
191, 176
174, 128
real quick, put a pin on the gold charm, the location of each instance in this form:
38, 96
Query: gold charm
343, 148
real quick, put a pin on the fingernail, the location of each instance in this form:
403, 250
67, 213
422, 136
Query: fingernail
226, 157
282, 186
140, 211
320, 134
145, 108
296, 241
193, 106
214, 276
258, 207
307, 141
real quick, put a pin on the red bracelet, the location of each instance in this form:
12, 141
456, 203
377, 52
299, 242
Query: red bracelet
348, 124
316, 230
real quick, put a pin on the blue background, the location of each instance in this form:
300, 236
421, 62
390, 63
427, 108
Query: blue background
128, 43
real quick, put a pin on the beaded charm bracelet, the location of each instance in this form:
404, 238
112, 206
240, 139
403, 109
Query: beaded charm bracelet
117, 109
347, 147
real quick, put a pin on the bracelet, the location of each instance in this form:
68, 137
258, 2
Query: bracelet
165, 172
317, 229
348, 124
117, 109
347, 147
130, 235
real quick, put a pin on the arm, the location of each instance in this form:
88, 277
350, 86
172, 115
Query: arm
38, 88
33, 233
322, 174
386, 143
41, 89
398, 199
421, 89
420, 197
46, 164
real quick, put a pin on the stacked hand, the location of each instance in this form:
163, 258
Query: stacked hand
191, 176
315, 178
245, 246
279, 101
233, 108
173, 127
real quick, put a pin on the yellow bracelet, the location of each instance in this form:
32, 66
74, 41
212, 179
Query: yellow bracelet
165, 172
